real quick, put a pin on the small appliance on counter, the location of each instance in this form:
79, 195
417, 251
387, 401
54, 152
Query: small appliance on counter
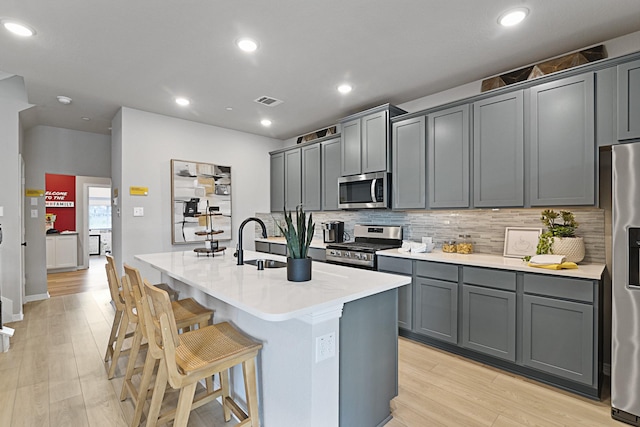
333, 231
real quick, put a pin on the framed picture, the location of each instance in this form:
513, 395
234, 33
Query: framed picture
200, 202
520, 241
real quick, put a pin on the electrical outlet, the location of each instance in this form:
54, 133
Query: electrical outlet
325, 346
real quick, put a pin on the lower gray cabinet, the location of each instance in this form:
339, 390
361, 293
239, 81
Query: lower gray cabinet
558, 337
436, 309
262, 247
278, 249
489, 321
404, 267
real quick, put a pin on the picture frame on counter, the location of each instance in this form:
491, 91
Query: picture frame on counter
521, 241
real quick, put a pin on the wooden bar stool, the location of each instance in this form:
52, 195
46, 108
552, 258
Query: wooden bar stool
195, 355
187, 312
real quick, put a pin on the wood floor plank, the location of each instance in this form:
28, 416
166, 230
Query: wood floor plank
31, 406
69, 412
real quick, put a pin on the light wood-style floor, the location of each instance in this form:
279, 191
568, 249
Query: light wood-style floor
73, 282
54, 375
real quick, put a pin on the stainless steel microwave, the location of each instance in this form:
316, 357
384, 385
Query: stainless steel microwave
367, 191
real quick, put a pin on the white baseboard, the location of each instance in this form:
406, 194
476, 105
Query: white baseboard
37, 297
606, 369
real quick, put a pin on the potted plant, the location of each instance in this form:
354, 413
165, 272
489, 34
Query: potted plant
298, 242
560, 239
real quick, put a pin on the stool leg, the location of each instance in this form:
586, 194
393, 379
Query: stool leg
158, 394
133, 355
112, 337
149, 366
184, 405
249, 373
224, 385
118, 349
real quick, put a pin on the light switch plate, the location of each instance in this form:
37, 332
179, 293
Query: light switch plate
1, 210
34, 213
138, 211
34, 201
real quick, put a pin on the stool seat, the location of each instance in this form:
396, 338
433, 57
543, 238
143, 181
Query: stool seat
189, 312
212, 345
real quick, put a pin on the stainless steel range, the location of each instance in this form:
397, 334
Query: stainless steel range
362, 251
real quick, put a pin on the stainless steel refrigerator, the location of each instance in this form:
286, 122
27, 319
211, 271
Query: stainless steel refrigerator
625, 343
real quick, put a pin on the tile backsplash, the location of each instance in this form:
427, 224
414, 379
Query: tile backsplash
486, 226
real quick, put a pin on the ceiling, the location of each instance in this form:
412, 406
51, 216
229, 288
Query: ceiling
143, 53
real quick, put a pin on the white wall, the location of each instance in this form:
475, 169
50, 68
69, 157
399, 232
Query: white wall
60, 151
13, 99
143, 145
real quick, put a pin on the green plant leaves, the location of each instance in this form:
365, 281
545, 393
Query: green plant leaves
298, 237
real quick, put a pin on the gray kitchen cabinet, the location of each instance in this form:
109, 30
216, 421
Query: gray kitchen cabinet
365, 140
262, 247
489, 321
292, 179
404, 267
317, 254
562, 142
409, 163
311, 177
278, 248
277, 182
330, 173
435, 308
629, 100
559, 333
498, 151
606, 107
448, 158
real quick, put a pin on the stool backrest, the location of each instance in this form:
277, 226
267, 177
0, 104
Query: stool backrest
114, 283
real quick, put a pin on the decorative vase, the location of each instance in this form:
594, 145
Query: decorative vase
571, 247
299, 269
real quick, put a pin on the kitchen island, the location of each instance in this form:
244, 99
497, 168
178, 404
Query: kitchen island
329, 352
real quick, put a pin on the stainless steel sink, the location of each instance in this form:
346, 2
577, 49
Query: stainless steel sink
268, 263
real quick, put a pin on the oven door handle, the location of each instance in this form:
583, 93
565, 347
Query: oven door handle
373, 190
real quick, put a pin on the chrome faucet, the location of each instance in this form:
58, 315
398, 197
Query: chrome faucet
239, 252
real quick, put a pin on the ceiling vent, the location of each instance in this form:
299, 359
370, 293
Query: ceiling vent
268, 101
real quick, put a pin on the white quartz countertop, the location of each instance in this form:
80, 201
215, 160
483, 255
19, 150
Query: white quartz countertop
315, 243
584, 271
267, 294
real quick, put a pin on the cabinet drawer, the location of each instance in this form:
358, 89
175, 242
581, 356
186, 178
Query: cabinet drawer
560, 287
437, 270
262, 247
317, 254
497, 279
395, 265
278, 249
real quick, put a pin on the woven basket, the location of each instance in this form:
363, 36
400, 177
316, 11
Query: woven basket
571, 247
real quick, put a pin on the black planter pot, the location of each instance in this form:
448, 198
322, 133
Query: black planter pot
299, 269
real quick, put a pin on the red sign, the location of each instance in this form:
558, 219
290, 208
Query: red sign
60, 199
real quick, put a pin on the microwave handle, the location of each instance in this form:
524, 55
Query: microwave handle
373, 190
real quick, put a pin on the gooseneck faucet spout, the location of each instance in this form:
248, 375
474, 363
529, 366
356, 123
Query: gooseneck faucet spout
239, 252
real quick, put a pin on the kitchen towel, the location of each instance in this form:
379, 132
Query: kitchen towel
551, 262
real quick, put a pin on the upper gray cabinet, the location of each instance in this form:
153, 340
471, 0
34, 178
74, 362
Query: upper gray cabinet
277, 182
448, 158
562, 146
629, 100
365, 141
330, 174
498, 151
311, 177
292, 175
409, 163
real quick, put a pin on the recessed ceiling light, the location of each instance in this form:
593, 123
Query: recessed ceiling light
229, 108
86, 119
183, 102
18, 28
265, 122
247, 45
345, 88
513, 17
64, 99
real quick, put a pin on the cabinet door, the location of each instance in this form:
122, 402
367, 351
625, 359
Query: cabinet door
350, 148
375, 142
262, 246
489, 321
292, 179
405, 268
66, 251
448, 158
558, 337
562, 142
436, 309
409, 164
330, 174
311, 179
277, 182
498, 151
629, 100
51, 252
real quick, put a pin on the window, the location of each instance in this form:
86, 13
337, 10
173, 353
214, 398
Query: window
99, 208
